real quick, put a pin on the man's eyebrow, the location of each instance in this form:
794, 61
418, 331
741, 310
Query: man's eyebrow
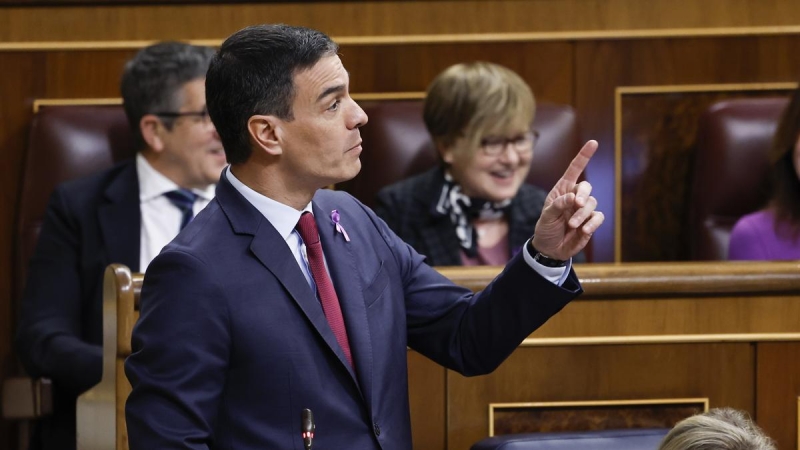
331, 90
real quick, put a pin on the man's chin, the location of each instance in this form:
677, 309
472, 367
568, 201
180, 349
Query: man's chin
352, 171
345, 175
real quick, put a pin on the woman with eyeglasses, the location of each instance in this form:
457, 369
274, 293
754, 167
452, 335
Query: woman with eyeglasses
475, 209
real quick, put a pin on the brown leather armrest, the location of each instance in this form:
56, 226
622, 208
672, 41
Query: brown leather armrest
27, 398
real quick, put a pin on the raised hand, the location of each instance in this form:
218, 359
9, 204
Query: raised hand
569, 217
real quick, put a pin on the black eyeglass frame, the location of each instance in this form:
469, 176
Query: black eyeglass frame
174, 115
532, 136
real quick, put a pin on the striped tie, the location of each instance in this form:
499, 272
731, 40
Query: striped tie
183, 199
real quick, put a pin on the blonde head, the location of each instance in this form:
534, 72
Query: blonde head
718, 429
474, 100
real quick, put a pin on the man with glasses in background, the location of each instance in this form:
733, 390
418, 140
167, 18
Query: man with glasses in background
475, 208
125, 214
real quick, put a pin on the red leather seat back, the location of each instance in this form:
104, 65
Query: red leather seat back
731, 170
65, 142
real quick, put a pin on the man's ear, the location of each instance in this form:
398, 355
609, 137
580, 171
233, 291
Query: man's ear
264, 132
151, 127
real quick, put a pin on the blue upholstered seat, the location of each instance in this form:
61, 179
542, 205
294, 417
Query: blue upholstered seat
629, 439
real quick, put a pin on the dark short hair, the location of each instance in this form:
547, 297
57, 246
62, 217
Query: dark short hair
253, 74
785, 198
153, 79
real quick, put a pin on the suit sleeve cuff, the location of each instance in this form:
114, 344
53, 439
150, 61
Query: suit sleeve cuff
556, 275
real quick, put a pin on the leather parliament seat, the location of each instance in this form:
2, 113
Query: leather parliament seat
628, 439
731, 170
65, 142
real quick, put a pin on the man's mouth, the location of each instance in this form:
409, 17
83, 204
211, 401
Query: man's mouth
355, 147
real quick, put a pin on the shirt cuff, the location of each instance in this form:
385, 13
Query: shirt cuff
556, 275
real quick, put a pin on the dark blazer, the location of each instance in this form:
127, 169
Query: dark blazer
232, 343
89, 223
408, 208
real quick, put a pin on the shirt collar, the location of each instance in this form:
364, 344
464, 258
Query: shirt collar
153, 184
283, 217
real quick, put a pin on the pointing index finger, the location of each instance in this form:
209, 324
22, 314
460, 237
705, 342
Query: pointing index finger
579, 163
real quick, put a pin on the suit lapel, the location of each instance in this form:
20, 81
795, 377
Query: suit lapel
271, 250
344, 269
120, 219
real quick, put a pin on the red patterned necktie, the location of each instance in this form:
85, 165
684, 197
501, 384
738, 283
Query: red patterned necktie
307, 228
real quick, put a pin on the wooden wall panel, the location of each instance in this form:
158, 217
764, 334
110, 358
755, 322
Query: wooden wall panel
778, 387
83, 74
670, 300
546, 66
426, 395
720, 372
689, 322
603, 65
392, 18
674, 315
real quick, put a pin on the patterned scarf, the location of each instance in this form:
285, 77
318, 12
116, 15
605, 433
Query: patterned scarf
462, 210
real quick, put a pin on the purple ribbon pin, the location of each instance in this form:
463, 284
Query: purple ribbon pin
335, 219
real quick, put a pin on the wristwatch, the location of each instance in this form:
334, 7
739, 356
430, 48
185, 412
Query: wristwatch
543, 259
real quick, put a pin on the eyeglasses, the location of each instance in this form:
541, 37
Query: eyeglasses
200, 116
522, 144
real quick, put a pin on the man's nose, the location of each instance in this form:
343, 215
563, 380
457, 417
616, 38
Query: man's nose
359, 117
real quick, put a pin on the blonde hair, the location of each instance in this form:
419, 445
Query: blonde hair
473, 100
718, 429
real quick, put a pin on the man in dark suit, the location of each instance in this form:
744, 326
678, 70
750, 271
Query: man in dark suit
123, 215
282, 296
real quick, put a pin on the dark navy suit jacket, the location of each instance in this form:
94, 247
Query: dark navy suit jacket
89, 223
232, 344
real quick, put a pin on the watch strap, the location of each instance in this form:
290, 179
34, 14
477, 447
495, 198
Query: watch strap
543, 259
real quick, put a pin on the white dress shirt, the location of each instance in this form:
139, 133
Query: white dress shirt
284, 218
161, 220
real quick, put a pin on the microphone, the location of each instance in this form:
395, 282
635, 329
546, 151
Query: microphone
307, 425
